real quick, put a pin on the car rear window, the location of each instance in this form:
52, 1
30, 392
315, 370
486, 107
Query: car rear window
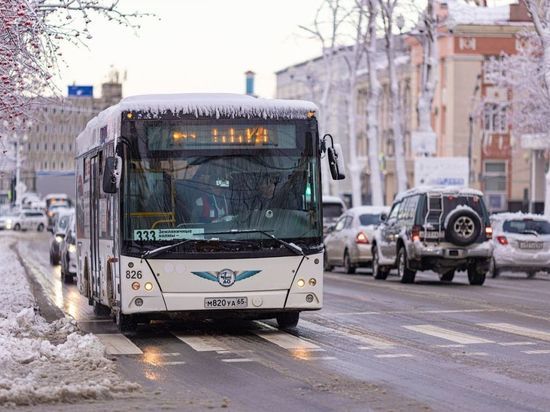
332, 210
527, 226
450, 203
369, 219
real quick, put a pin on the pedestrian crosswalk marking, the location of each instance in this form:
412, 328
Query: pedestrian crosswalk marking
394, 355
368, 341
471, 354
203, 343
171, 363
453, 345
536, 352
453, 336
237, 360
516, 343
118, 344
518, 330
283, 339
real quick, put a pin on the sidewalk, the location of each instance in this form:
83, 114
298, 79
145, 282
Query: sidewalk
47, 362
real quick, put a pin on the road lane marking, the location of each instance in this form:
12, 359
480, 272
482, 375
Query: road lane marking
408, 312
518, 330
458, 337
471, 354
203, 343
536, 352
369, 341
454, 345
394, 355
237, 360
172, 363
313, 358
283, 339
516, 343
118, 344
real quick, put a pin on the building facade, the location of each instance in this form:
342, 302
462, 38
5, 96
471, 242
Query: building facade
47, 146
470, 112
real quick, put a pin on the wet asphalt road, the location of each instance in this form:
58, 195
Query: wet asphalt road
376, 345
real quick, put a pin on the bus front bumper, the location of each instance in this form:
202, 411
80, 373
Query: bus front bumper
234, 301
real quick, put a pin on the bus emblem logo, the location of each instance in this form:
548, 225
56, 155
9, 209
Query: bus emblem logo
227, 277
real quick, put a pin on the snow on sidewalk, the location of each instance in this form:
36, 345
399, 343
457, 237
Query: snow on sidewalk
43, 362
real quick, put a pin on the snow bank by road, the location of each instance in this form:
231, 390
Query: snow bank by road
43, 362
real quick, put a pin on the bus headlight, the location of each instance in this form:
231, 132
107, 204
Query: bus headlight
148, 286
309, 298
72, 248
301, 283
312, 282
135, 285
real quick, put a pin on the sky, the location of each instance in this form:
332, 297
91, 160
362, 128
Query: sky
196, 46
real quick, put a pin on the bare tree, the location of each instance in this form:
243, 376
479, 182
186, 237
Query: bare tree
326, 28
427, 29
31, 34
389, 17
353, 59
373, 101
527, 74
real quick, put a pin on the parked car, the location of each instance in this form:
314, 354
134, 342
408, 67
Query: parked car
333, 207
521, 243
58, 235
348, 242
68, 252
27, 219
439, 229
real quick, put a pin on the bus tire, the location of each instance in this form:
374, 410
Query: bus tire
125, 323
288, 320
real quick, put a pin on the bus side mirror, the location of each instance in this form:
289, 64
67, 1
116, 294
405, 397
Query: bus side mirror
111, 174
383, 217
336, 162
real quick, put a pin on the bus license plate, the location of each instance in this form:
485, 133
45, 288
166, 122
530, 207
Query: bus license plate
225, 303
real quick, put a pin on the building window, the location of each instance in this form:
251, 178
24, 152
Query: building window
53, 147
495, 184
495, 117
45, 146
61, 166
492, 69
61, 147
53, 165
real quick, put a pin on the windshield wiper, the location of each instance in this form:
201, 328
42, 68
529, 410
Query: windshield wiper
159, 250
290, 246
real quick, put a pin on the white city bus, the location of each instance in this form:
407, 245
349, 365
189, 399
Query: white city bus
202, 204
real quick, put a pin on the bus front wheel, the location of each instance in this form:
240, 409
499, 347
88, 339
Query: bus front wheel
287, 320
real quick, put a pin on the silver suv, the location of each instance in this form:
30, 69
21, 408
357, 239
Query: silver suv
439, 229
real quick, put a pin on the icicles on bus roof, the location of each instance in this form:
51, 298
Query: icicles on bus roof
213, 105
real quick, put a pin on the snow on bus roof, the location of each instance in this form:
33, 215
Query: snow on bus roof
214, 105
439, 189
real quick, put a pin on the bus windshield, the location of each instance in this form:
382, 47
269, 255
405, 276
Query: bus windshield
183, 182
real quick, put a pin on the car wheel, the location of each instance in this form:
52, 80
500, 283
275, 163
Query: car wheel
287, 320
17, 227
125, 323
326, 266
531, 275
493, 271
348, 266
379, 273
447, 276
407, 275
475, 276
40, 227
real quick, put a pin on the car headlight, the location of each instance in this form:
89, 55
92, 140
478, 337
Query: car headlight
59, 239
9, 222
72, 248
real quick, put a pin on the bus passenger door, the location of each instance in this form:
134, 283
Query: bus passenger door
95, 188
